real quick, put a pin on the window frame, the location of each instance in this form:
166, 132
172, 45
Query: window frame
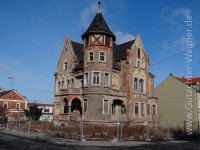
105, 100
136, 114
106, 79
142, 111
17, 105
135, 84
5, 103
89, 56
86, 79
104, 56
98, 79
65, 66
85, 104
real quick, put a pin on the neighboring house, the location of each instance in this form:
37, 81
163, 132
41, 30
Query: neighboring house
103, 81
179, 101
47, 111
13, 105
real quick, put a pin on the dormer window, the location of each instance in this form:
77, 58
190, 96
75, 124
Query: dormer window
91, 56
102, 56
65, 66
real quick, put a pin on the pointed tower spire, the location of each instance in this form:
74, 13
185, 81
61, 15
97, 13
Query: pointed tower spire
99, 8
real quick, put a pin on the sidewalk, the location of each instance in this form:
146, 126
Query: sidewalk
62, 141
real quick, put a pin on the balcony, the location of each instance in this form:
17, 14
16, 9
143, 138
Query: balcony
72, 91
118, 93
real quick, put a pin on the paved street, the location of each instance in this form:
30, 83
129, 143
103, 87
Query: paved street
19, 141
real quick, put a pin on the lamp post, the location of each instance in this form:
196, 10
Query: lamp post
12, 78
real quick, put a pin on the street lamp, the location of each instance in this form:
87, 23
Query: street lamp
12, 78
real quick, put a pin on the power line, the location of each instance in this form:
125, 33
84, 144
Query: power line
171, 56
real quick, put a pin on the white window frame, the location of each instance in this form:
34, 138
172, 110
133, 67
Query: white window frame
65, 66
108, 79
17, 104
89, 60
96, 84
86, 79
107, 106
5, 102
103, 56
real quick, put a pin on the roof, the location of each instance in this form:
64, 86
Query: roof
119, 51
40, 104
4, 92
188, 80
98, 25
78, 50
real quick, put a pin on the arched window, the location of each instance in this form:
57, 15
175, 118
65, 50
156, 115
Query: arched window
141, 85
138, 53
135, 84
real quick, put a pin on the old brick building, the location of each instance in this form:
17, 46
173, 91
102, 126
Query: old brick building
103, 81
12, 105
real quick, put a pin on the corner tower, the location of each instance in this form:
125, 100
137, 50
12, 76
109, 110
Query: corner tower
98, 62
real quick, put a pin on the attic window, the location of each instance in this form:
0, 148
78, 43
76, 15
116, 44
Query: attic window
107, 40
65, 66
138, 53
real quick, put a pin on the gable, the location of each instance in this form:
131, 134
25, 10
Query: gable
12, 94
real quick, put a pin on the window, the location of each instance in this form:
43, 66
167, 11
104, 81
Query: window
136, 84
85, 104
105, 107
65, 66
5, 106
123, 110
106, 79
18, 106
138, 53
66, 109
91, 56
102, 57
154, 109
113, 109
107, 40
136, 108
141, 85
85, 78
148, 109
142, 109
46, 109
87, 41
138, 63
96, 78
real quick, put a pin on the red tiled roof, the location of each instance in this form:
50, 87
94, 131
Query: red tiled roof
39, 104
188, 80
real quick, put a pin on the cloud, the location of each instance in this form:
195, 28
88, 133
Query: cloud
123, 37
87, 14
172, 18
177, 45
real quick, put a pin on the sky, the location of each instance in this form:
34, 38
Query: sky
33, 33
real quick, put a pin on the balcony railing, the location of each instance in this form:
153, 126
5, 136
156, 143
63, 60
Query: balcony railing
118, 93
71, 91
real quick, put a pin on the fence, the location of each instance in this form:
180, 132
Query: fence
108, 131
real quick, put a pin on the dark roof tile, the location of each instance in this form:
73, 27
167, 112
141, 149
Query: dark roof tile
78, 50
